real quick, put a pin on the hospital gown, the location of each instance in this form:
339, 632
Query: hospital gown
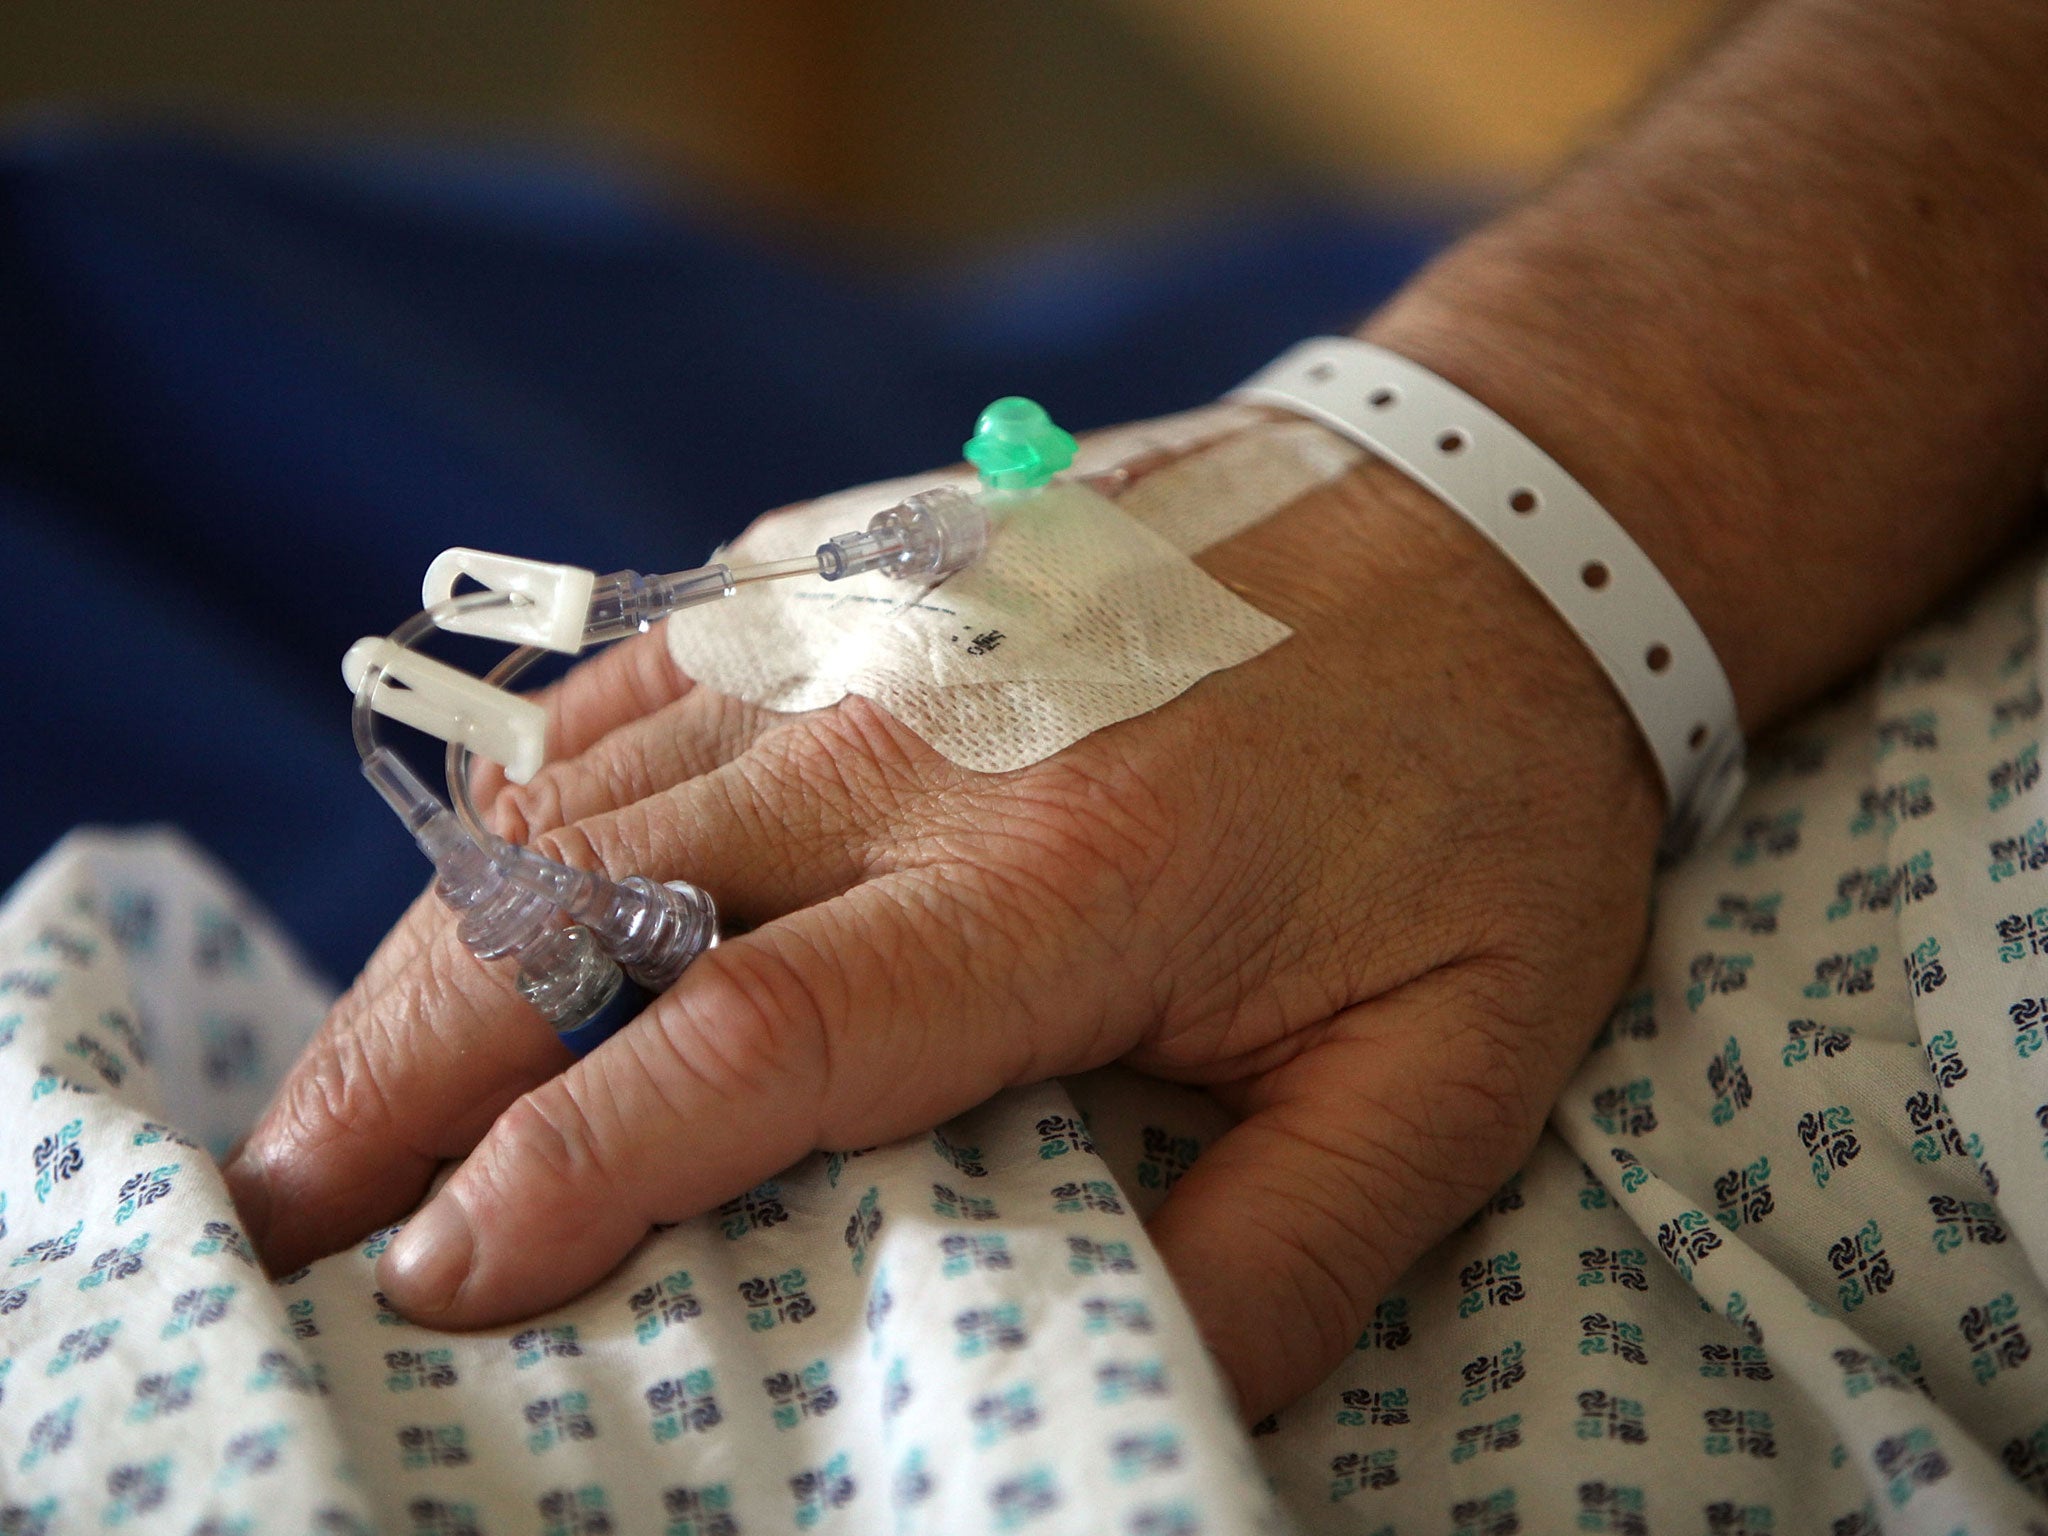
1771, 1269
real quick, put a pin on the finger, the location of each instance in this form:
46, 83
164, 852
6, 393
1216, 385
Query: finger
418, 927
409, 1069
621, 683
808, 812
702, 730
887, 1011
364, 1118
1355, 1157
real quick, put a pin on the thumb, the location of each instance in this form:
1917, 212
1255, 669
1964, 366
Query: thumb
864, 1019
1353, 1158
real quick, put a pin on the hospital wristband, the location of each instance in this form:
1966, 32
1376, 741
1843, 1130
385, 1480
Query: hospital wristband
1581, 560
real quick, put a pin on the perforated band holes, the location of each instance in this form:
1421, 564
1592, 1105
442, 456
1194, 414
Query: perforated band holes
1485, 470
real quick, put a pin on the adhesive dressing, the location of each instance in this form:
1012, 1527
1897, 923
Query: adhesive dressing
1084, 611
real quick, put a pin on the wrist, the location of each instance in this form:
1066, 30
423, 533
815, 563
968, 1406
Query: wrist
1663, 468
1371, 555
1558, 538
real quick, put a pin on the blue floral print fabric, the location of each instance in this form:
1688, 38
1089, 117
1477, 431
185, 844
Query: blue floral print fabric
967, 1331
1775, 1266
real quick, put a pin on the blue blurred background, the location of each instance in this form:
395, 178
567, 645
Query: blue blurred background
286, 308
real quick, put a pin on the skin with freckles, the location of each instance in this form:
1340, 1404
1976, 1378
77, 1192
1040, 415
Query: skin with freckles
1374, 888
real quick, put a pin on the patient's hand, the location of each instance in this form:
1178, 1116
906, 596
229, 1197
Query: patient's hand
1375, 887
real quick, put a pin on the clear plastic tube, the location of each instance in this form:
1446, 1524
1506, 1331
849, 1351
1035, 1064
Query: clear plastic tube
363, 717
629, 603
562, 971
775, 570
513, 901
626, 602
652, 930
655, 930
461, 762
922, 538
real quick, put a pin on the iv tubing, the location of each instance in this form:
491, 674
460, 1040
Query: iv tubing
462, 762
574, 933
363, 718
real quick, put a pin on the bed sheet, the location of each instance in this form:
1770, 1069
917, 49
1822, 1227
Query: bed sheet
1774, 1267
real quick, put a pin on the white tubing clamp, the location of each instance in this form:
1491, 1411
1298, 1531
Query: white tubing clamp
553, 606
1578, 557
444, 701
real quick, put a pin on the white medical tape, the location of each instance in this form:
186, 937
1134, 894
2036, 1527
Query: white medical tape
1084, 611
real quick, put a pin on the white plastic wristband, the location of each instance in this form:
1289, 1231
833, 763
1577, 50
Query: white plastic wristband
1579, 558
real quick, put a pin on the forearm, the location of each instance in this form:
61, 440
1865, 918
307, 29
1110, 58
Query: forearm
1792, 327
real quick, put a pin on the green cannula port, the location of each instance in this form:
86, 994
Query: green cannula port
1016, 446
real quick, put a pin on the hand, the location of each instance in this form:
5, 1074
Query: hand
1375, 888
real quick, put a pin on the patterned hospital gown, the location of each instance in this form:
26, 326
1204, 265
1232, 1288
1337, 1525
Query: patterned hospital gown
1771, 1269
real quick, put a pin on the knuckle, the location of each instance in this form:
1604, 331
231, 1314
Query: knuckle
350, 1085
1500, 1057
1331, 1260
525, 811
652, 677
1062, 842
423, 925
1101, 810
791, 807
543, 1142
884, 740
613, 776
999, 907
730, 725
857, 756
572, 845
336, 1094
744, 1023
1046, 955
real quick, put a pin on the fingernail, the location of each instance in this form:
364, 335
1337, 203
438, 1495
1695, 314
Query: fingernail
428, 1261
249, 1188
